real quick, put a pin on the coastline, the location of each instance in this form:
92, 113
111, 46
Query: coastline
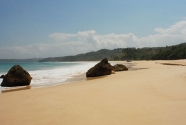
52, 77
151, 93
81, 76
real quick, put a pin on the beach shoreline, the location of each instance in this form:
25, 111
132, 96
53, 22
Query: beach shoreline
48, 76
151, 93
81, 76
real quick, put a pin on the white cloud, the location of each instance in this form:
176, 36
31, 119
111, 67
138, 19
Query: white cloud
161, 40
176, 29
61, 36
175, 34
90, 38
86, 41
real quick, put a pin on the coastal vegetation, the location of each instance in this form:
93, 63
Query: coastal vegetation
146, 53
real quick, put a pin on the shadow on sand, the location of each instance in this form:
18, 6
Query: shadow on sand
93, 78
16, 89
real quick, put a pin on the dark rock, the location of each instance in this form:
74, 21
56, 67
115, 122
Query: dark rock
100, 69
2, 76
120, 67
16, 76
129, 60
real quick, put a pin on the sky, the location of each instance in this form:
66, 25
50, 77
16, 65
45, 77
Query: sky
53, 28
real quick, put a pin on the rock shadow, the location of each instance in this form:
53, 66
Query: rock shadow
16, 89
93, 78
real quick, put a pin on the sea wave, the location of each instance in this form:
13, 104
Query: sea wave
56, 75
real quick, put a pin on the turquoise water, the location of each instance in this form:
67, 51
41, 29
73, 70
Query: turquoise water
33, 66
48, 73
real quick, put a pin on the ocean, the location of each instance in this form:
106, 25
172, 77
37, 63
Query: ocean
48, 73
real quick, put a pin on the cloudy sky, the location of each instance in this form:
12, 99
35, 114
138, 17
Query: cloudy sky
50, 28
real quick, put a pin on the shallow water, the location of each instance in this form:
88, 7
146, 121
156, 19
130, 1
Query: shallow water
48, 73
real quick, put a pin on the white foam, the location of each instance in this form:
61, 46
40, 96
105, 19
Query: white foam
52, 77
56, 76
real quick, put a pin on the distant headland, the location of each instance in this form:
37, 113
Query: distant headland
173, 52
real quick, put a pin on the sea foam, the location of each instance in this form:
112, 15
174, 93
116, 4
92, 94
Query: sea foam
56, 75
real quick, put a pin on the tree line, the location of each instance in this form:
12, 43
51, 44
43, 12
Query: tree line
146, 53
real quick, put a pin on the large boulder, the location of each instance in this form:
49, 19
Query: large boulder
120, 67
16, 76
100, 69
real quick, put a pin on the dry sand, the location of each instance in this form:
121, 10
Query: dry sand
155, 94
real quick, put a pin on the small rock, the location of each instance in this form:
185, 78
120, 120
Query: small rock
2, 76
120, 67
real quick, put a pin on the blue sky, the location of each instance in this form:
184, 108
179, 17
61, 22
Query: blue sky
35, 28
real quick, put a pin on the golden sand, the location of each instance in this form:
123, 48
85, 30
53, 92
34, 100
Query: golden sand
153, 94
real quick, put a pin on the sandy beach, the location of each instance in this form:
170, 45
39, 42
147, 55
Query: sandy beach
153, 93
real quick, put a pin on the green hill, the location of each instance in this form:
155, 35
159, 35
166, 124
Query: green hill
147, 53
